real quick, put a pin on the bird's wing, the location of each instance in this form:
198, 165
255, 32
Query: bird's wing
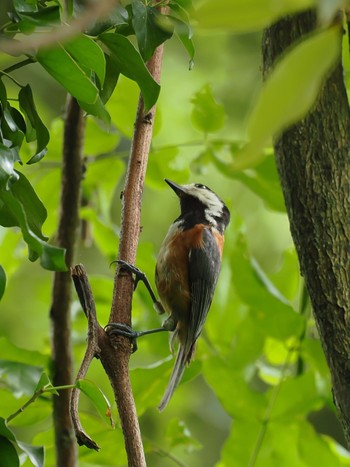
204, 268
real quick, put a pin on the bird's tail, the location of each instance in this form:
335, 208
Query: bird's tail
183, 357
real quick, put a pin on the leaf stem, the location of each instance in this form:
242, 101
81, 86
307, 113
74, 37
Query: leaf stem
37, 394
4, 73
17, 65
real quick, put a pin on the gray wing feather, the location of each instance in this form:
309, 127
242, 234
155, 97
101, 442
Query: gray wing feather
204, 268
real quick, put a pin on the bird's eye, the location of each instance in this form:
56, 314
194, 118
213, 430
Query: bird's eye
199, 185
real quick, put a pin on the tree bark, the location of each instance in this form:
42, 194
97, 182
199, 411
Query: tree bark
313, 160
116, 360
62, 358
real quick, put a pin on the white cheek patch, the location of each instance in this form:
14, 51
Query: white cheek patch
214, 205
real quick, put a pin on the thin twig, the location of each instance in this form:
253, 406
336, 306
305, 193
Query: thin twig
87, 302
34, 397
25, 405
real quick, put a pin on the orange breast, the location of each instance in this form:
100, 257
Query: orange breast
220, 240
172, 270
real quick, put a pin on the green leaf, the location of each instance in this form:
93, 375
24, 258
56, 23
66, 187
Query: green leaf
61, 66
117, 16
21, 377
22, 6
97, 397
3, 94
296, 398
287, 94
129, 62
42, 134
178, 434
111, 79
271, 310
8, 175
20, 206
240, 443
29, 21
149, 382
315, 449
105, 237
184, 33
122, 105
147, 24
13, 127
285, 443
9, 456
160, 159
263, 181
34, 453
35, 211
43, 382
10, 352
2, 281
207, 115
311, 351
52, 257
5, 431
233, 391
98, 141
97, 109
246, 15
86, 52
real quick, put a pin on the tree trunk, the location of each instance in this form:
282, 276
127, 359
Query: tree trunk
313, 160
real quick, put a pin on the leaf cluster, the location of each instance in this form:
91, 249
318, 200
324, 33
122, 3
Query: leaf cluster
88, 67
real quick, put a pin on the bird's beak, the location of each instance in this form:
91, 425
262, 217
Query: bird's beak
179, 190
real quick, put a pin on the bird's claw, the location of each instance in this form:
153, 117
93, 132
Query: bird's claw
120, 329
139, 275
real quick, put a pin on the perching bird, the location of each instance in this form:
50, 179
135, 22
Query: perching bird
187, 271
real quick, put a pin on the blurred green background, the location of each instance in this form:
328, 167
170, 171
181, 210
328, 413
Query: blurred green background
253, 338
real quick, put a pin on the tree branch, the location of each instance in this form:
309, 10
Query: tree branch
313, 163
61, 294
87, 302
116, 359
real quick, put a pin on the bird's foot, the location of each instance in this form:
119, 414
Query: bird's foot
120, 329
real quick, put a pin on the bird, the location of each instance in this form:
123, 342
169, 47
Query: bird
187, 271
